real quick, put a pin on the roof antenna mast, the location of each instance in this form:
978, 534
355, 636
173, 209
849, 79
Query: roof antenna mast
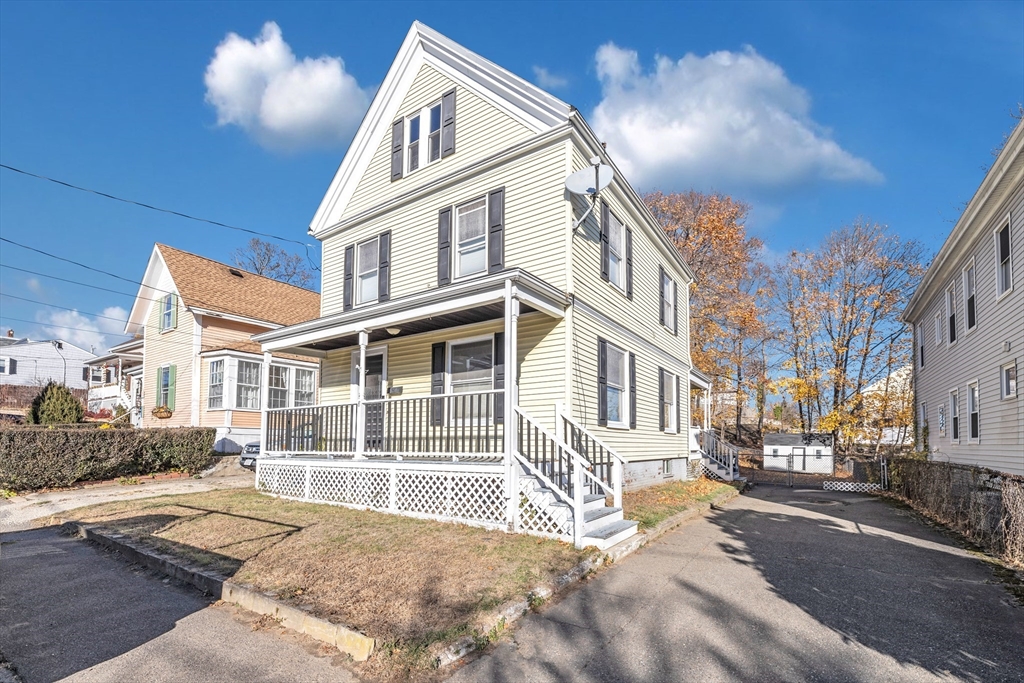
588, 182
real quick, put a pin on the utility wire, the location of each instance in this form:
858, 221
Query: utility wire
73, 282
75, 310
62, 327
162, 210
74, 263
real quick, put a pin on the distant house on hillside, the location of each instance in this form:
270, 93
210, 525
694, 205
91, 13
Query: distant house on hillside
199, 367
968, 320
26, 366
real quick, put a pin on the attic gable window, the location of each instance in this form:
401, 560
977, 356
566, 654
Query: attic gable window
168, 312
423, 132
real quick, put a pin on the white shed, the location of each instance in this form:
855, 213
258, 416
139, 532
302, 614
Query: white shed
809, 452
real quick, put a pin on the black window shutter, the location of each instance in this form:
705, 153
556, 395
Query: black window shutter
12, 366
632, 391
679, 404
397, 143
444, 246
661, 400
602, 382
604, 240
350, 258
384, 267
85, 373
675, 307
496, 231
499, 376
437, 382
661, 295
448, 123
629, 263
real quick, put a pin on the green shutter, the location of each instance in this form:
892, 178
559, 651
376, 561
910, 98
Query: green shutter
170, 386
174, 324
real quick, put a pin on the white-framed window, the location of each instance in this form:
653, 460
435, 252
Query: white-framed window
168, 317
215, 400
471, 238
1008, 380
938, 329
305, 387
668, 301
367, 267
973, 412
920, 343
471, 365
951, 312
1004, 271
247, 385
616, 252
423, 135
970, 300
775, 451
277, 391
666, 467
924, 415
668, 402
4, 364
616, 396
954, 415
165, 386
96, 374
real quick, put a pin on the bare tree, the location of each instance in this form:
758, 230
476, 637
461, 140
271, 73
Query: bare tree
270, 260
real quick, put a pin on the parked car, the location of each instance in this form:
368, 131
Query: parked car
249, 455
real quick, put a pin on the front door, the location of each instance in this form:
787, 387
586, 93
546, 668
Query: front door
374, 391
798, 459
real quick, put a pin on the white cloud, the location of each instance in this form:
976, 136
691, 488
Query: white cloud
548, 80
34, 285
92, 334
730, 120
284, 103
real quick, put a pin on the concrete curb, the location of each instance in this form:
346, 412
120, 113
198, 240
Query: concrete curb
513, 611
350, 642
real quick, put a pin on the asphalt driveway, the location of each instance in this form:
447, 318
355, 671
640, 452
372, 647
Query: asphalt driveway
778, 585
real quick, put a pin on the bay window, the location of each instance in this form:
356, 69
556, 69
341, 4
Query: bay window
305, 388
216, 390
277, 394
247, 388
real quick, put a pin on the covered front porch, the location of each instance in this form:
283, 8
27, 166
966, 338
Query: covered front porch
422, 414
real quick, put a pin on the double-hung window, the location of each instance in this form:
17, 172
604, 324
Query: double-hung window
424, 137
471, 238
3, 365
616, 252
165, 386
471, 371
954, 416
970, 301
367, 267
920, 343
1004, 274
973, 414
668, 402
304, 387
216, 397
1008, 380
247, 385
951, 312
97, 375
616, 387
924, 415
277, 395
668, 301
168, 313
938, 329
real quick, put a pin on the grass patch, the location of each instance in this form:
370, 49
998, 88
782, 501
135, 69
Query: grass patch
411, 584
655, 504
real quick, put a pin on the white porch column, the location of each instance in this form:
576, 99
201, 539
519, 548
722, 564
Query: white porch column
511, 401
364, 339
707, 409
264, 399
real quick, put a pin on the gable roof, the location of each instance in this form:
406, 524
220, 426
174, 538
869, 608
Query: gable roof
207, 285
535, 108
812, 439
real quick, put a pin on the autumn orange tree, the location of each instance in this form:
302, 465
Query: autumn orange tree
727, 327
839, 307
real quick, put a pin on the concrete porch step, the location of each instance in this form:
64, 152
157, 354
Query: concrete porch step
609, 535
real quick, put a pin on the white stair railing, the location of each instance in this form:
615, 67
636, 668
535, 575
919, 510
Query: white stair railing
607, 466
721, 452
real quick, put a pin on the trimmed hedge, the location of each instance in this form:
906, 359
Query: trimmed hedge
37, 458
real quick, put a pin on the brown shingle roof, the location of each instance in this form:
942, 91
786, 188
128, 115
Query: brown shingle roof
204, 283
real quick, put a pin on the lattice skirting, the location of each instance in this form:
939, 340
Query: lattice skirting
538, 515
850, 486
472, 494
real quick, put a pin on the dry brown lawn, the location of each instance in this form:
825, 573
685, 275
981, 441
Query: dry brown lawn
397, 579
654, 504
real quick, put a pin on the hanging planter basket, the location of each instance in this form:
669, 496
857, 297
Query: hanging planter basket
162, 412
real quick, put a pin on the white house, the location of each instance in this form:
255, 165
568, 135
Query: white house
808, 452
26, 366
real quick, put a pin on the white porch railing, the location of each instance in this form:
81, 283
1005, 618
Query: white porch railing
720, 452
606, 465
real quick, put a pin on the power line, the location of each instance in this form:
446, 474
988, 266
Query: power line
73, 262
73, 282
162, 210
73, 310
62, 327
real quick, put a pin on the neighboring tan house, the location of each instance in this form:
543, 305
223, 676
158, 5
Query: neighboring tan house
484, 360
968, 321
115, 380
26, 366
200, 367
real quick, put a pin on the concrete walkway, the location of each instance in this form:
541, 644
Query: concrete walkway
23, 512
70, 612
778, 585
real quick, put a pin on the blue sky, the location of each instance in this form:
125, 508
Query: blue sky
814, 113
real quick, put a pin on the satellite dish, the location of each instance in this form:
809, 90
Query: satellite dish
589, 181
